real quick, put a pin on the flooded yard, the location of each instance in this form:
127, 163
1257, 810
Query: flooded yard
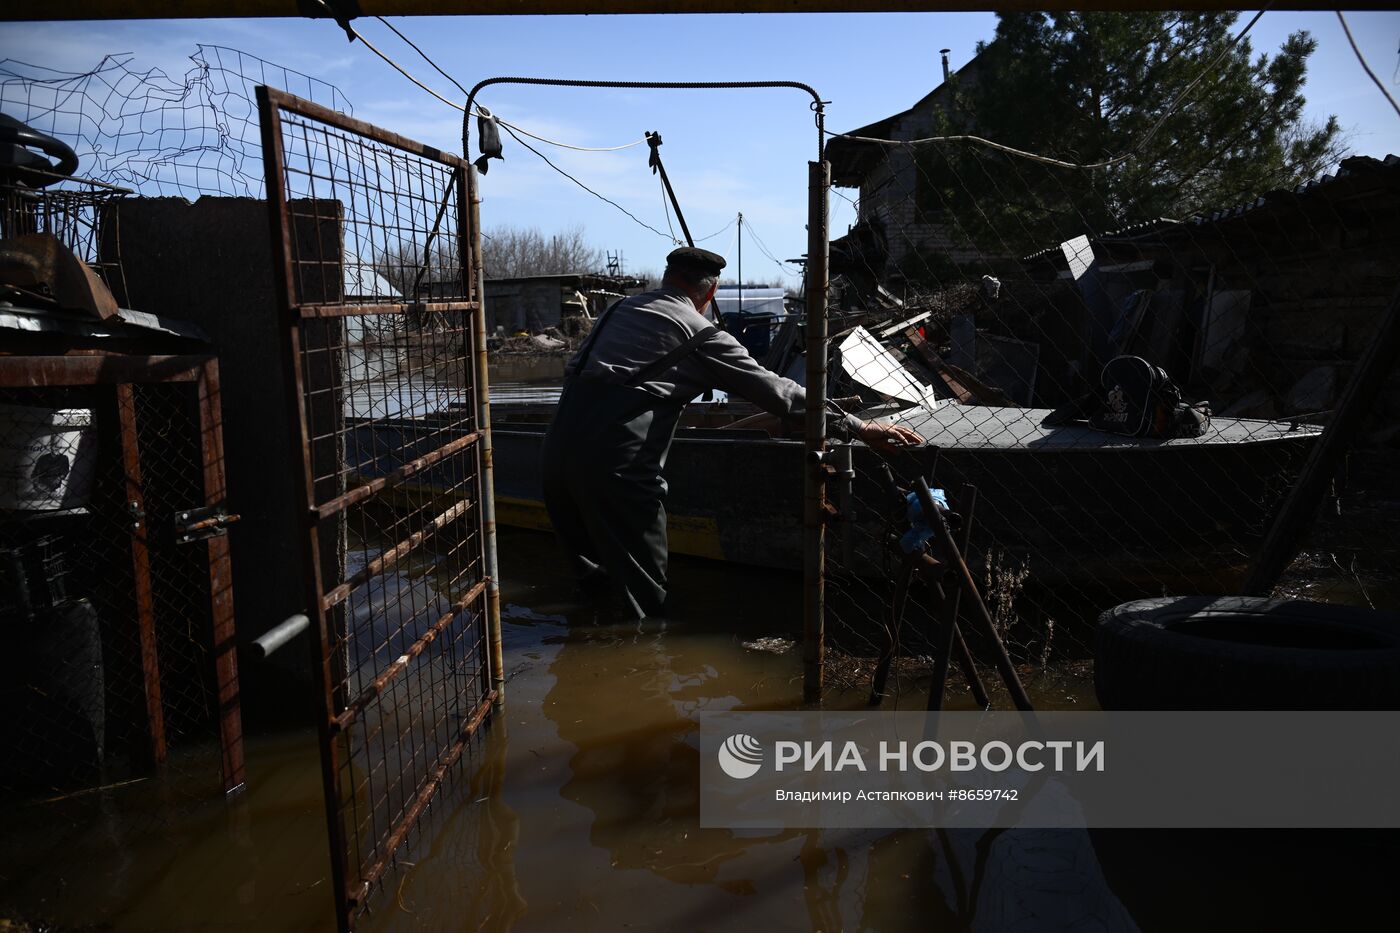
579, 810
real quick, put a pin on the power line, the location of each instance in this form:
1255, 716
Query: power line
510, 128
702, 239
424, 55
763, 248
1362, 59
553, 142
585, 187
453, 104
1048, 160
666, 212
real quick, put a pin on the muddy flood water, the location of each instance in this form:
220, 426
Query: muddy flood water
578, 810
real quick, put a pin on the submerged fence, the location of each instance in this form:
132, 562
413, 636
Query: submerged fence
979, 298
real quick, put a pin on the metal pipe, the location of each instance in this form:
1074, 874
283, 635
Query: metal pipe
654, 141
936, 521
969, 668
278, 636
892, 629
943, 657
496, 658
814, 493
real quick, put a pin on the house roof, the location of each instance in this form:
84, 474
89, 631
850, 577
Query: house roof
1354, 174
851, 159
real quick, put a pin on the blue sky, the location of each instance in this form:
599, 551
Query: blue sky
726, 151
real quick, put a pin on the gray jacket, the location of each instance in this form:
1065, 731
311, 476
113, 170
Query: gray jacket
643, 328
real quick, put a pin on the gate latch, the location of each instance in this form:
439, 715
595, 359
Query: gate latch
197, 524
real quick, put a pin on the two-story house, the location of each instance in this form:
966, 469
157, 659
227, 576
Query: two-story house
901, 232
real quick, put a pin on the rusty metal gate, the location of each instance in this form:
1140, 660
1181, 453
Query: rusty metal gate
121, 596
384, 352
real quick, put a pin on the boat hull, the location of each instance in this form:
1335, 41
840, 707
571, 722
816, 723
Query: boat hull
1154, 516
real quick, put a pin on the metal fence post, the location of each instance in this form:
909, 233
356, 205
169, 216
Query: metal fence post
483, 424
814, 497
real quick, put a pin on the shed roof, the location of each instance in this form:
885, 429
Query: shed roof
1354, 175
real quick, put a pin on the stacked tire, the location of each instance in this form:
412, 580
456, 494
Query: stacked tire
1243, 653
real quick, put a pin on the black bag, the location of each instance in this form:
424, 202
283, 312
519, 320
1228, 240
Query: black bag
1140, 400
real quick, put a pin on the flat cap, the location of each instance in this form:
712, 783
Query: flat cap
694, 259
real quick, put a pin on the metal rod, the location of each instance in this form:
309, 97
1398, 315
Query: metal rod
496, 651
313, 309
654, 141
1285, 536
943, 656
936, 521
892, 629
306, 108
394, 478
387, 559
817, 103
321, 643
400, 664
376, 868
278, 636
814, 498
969, 667
141, 572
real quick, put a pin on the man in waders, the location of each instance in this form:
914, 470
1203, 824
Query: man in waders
624, 390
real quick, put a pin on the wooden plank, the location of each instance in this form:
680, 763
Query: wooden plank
966, 388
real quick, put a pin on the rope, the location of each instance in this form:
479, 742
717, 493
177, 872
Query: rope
1060, 163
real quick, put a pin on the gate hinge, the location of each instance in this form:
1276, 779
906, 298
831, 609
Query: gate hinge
211, 521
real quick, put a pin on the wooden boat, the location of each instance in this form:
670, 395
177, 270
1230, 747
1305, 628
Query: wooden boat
1079, 506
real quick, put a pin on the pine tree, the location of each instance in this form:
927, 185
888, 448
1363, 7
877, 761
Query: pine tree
1085, 87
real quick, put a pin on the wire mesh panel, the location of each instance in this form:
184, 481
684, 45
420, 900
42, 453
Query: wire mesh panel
118, 617
986, 301
382, 334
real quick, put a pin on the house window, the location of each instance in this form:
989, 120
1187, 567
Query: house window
928, 198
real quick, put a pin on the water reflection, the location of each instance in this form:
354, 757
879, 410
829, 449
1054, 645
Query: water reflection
601, 786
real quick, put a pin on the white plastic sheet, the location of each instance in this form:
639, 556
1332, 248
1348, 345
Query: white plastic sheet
871, 365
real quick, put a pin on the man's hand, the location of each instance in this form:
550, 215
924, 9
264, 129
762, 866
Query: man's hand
886, 437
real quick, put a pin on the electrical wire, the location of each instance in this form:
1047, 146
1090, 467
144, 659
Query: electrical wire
395, 65
510, 128
1060, 163
702, 239
520, 129
1364, 65
600, 197
422, 54
763, 248
666, 211
453, 104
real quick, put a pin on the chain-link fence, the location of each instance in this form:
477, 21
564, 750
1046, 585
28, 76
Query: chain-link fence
108, 610
975, 301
